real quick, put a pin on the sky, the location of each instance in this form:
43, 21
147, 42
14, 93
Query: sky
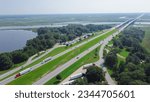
11, 7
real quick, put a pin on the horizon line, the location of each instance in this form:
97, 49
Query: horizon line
75, 13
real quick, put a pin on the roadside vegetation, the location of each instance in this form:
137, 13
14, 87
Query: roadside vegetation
135, 70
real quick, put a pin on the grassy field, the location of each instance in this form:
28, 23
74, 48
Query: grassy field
146, 40
89, 58
109, 71
124, 53
120, 59
41, 71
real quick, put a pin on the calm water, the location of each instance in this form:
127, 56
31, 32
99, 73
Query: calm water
14, 39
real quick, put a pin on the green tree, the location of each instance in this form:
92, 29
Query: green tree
131, 67
18, 57
58, 77
124, 78
138, 82
94, 74
5, 62
111, 60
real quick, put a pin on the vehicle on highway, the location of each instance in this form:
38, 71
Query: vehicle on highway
76, 76
77, 57
23, 72
46, 60
88, 65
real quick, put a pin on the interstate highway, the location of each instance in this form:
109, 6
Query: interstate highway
5, 81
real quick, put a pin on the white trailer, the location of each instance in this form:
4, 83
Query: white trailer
76, 76
68, 82
88, 65
25, 71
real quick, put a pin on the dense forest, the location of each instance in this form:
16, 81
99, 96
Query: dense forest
47, 38
136, 69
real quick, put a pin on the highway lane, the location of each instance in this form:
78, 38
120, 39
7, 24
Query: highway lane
11, 78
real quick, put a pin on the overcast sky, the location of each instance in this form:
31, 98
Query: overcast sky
72, 6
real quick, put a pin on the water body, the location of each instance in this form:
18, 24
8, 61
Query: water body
11, 40
56, 25
63, 24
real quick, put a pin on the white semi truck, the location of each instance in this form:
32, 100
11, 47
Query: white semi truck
88, 65
76, 76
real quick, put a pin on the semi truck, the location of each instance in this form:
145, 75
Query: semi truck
88, 65
76, 76
23, 72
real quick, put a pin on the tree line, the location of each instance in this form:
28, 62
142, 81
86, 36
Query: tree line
47, 38
136, 69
